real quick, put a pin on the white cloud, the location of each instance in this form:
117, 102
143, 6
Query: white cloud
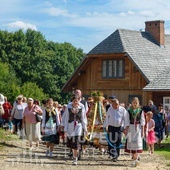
106, 17
98, 14
48, 3
130, 12
123, 14
22, 25
56, 12
107, 21
94, 18
148, 13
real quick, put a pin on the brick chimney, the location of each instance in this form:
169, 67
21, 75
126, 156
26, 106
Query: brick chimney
156, 29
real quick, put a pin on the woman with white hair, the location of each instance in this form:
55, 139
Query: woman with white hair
32, 127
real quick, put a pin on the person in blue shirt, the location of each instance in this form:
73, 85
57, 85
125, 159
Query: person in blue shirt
159, 125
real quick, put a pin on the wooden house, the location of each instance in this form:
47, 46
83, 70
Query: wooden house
126, 64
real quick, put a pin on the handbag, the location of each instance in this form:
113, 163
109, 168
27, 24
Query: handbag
38, 117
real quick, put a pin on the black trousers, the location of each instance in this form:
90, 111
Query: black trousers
17, 122
114, 140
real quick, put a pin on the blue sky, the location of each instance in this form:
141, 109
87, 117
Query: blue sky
83, 23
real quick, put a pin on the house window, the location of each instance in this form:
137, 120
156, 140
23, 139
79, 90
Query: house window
113, 68
166, 103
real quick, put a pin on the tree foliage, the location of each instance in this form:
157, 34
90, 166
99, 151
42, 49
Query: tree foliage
30, 89
9, 83
39, 67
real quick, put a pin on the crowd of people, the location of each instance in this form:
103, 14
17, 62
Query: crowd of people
50, 121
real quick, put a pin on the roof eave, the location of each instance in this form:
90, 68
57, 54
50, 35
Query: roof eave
75, 73
156, 89
147, 80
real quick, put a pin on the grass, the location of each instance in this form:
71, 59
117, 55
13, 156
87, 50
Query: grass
6, 136
165, 150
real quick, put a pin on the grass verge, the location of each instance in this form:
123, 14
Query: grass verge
165, 150
6, 136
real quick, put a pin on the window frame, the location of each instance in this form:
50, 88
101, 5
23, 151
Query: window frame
166, 103
106, 68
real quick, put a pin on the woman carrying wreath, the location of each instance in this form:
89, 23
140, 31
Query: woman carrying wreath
32, 127
134, 124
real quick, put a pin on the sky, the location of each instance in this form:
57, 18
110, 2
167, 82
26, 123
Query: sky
83, 23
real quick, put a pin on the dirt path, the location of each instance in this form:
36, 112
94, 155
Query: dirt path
15, 155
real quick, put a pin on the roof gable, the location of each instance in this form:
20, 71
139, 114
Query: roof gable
151, 60
112, 44
141, 48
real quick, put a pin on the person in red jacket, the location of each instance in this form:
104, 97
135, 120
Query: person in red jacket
7, 109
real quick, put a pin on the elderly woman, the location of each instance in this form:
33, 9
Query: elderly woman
32, 127
17, 114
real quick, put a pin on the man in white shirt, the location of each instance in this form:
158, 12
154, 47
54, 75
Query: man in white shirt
114, 123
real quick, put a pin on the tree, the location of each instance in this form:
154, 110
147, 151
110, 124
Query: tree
34, 59
9, 83
30, 89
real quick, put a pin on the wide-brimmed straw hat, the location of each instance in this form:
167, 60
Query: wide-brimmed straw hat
19, 97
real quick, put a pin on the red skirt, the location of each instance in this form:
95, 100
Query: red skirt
150, 137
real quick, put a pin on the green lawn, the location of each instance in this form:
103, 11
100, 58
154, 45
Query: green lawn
165, 151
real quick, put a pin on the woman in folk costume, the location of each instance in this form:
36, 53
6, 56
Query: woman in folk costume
134, 123
75, 123
50, 126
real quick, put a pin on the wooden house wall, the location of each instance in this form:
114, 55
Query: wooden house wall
158, 97
131, 84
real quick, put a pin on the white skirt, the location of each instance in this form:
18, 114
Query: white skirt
32, 132
134, 139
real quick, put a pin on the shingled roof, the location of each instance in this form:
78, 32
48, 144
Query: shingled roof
151, 59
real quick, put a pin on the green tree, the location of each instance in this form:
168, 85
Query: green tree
30, 89
35, 60
9, 83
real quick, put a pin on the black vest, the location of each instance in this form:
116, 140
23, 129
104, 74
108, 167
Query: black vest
74, 116
138, 117
47, 116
